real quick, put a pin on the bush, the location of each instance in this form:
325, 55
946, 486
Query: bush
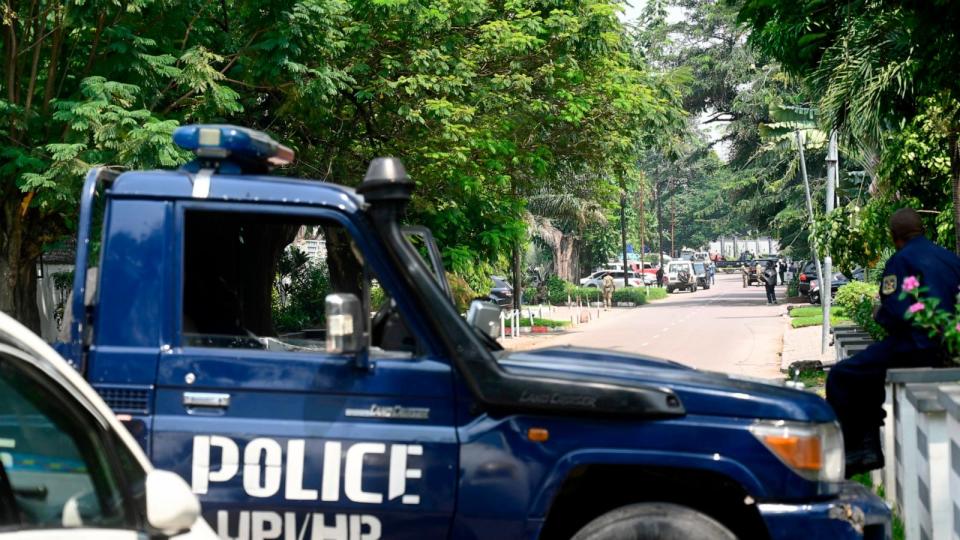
461, 291
556, 290
630, 294
852, 294
531, 296
793, 288
586, 294
858, 300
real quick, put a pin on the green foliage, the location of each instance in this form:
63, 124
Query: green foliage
557, 290
859, 299
852, 294
630, 294
486, 102
656, 293
815, 311
549, 323
816, 320
879, 73
793, 288
461, 291
299, 300
925, 313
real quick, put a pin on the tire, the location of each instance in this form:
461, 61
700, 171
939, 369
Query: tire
591, 286
669, 290
654, 521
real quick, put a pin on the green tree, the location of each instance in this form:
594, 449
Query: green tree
485, 101
874, 65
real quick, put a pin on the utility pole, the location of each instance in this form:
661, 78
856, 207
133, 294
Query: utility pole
659, 223
642, 250
816, 258
826, 286
623, 235
673, 226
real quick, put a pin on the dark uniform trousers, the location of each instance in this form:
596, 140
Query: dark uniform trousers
855, 386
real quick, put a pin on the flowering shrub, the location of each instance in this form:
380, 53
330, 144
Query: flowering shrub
925, 313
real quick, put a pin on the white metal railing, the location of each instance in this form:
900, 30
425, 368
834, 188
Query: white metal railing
921, 439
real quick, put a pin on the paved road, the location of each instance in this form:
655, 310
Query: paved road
726, 328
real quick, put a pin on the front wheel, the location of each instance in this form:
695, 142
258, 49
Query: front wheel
654, 521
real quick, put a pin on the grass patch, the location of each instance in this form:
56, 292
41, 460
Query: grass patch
816, 320
815, 311
656, 293
549, 323
810, 377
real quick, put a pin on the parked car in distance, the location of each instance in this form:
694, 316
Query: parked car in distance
596, 279
839, 280
672, 275
808, 273
754, 277
68, 468
593, 278
702, 273
501, 293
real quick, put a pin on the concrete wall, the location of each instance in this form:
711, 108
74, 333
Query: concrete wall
732, 246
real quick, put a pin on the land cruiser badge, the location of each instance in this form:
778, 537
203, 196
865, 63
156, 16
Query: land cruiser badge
396, 412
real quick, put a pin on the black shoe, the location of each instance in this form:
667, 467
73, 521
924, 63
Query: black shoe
866, 458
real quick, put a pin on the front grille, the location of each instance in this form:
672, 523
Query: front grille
126, 399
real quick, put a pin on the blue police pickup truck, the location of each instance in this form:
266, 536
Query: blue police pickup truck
379, 411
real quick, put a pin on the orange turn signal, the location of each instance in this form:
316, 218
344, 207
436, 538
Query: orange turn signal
797, 451
537, 434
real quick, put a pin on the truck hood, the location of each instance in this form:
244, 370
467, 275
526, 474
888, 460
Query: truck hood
700, 392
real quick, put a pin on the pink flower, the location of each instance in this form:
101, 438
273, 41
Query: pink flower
910, 283
916, 307
957, 327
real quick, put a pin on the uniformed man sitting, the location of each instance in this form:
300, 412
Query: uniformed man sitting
855, 386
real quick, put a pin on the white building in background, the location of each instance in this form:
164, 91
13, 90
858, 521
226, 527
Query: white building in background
732, 246
310, 240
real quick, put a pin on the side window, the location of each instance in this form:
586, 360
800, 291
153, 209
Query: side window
57, 467
260, 281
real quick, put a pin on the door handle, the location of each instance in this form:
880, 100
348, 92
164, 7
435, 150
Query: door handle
206, 399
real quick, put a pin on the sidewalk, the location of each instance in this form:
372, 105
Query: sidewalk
562, 313
803, 345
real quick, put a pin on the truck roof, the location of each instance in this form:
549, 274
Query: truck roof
238, 187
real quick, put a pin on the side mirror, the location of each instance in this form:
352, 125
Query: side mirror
485, 316
344, 323
171, 507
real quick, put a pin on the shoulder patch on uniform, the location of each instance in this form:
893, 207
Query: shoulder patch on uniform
889, 285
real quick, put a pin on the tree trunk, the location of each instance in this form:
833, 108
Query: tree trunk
517, 275
567, 258
19, 253
955, 180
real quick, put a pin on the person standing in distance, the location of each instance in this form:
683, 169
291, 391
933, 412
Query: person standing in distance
781, 268
608, 287
769, 278
660, 276
855, 385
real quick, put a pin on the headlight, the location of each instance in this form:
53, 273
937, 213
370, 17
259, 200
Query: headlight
814, 451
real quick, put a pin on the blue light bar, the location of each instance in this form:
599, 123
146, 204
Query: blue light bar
214, 141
